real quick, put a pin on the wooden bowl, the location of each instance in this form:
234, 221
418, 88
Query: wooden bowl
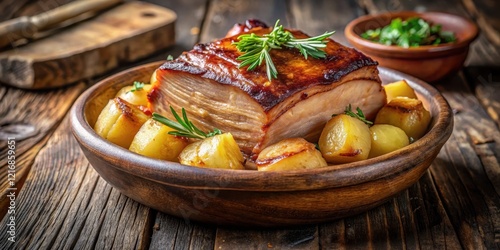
249, 197
430, 62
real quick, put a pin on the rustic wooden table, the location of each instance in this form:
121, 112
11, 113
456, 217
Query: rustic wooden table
61, 202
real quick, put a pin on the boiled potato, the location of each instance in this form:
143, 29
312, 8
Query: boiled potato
399, 88
345, 139
219, 151
153, 140
290, 154
138, 97
386, 138
119, 121
407, 114
97, 104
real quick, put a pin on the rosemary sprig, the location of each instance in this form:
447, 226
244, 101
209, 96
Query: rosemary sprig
256, 48
359, 115
184, 127
137, 86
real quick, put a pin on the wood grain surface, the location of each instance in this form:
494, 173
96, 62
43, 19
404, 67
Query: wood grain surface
456, 204
485, 12
122, 34
30, 117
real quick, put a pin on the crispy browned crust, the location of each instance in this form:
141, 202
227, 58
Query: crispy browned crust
217, 61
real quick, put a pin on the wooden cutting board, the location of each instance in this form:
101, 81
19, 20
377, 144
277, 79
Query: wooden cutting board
125, 33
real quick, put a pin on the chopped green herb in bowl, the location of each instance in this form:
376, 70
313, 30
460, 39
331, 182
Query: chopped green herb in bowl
428, 45
412, 32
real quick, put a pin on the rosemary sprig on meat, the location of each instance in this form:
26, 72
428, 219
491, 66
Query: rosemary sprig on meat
184, 127
256, 48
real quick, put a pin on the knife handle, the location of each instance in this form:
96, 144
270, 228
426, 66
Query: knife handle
48, 19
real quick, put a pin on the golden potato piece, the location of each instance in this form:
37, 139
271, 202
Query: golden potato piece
345, 139
97, 104
290, 154
407, 114
386, 138
137, 97
399, 88
119, 121
220, 151
153, 140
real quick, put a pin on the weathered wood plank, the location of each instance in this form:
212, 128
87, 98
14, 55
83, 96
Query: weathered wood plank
332, 235
475, 121
170, 232
469, 184
304, 237
441, 230
486, 81
486, 14
203, 237
415, 219
223, 14
191, 14
356, 231
14, 8
316, 18
165, 232
8, 8
30, 117
402, 213
456, 200
378, 234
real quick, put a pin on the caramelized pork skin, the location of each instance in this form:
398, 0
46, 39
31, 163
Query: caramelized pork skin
217, 61
207, 82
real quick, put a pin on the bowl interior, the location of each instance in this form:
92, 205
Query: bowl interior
87, 107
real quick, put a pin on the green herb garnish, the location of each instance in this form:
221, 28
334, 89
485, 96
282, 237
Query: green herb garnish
359, 115
256, 48
137, 86
412, 32
184, 127
170, 58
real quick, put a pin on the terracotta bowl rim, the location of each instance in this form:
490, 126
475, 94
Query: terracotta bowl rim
175, 174
422, 51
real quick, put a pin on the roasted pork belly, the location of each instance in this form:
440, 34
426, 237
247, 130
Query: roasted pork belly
207, 82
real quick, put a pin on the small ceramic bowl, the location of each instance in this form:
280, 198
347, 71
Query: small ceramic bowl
249, 197
430, 62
